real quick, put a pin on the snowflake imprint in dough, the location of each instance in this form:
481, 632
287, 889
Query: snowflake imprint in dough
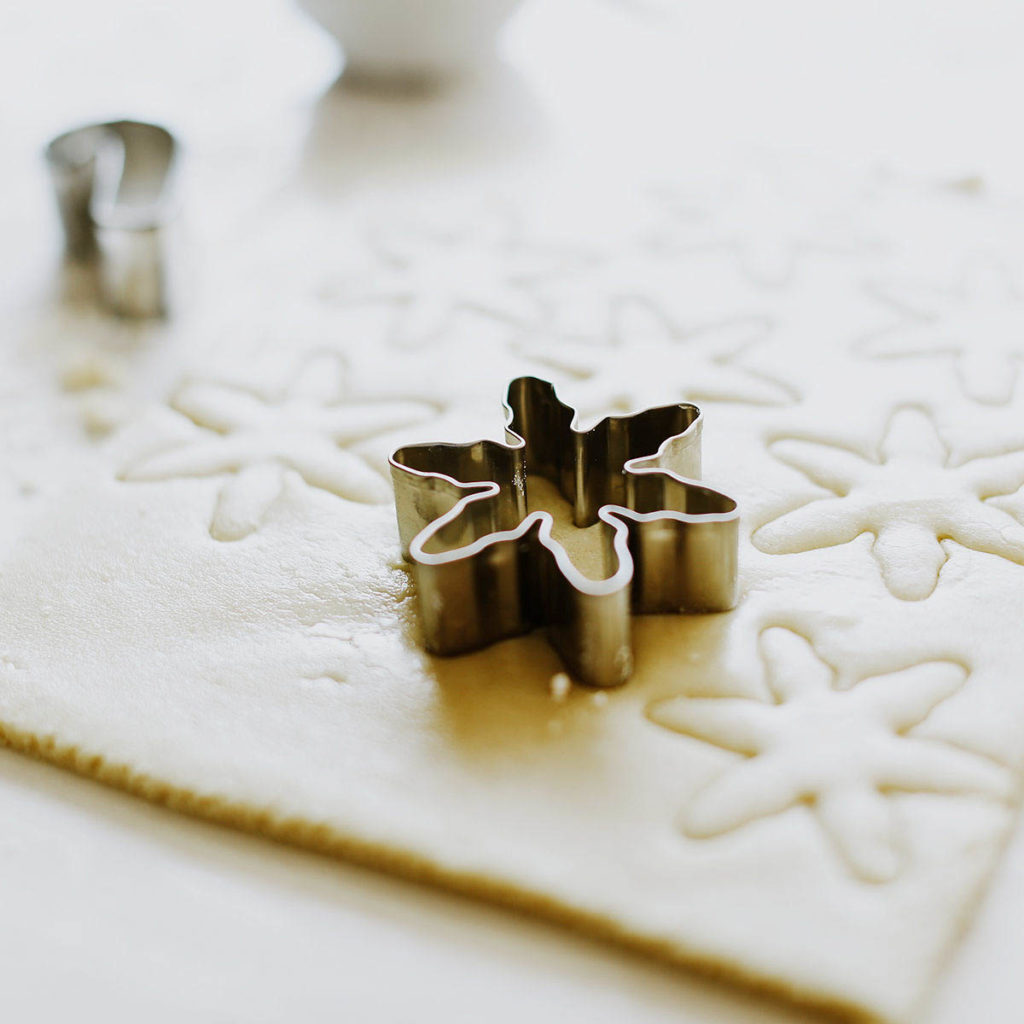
840, 752
767, 221
431, 275
588, 292
911, 498
980, 323
631, 369
307, 429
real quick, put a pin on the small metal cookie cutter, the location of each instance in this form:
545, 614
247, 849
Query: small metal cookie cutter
115, 192
486, 568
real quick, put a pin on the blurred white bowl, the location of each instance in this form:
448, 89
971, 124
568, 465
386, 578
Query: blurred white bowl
412, 39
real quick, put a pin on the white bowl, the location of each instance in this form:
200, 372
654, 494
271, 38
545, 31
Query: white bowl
412, 39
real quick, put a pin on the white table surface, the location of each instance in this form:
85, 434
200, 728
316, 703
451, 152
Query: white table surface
114, 910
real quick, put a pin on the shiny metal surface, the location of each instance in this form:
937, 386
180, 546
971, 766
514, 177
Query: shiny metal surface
486, 568
114, 186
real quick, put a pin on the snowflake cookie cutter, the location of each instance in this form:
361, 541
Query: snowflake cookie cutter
114, 184
486, 568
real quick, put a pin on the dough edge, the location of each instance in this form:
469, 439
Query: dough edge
413, 867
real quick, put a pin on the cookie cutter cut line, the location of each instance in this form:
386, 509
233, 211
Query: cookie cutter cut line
486, 568
114, 184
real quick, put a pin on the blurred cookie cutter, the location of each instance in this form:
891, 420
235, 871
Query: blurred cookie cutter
486, 568
114, 184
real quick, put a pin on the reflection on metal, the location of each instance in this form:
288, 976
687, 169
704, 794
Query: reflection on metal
114, 184
486, 568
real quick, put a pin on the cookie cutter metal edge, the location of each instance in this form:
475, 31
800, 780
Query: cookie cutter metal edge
114, 184
487, 569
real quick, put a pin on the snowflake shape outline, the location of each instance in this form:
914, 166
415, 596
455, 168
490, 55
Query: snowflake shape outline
911, 496
255, 441
839, 752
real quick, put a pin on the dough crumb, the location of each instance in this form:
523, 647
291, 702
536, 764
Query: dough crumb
600, 698
560, 686
102, 413
89, 370
971, 184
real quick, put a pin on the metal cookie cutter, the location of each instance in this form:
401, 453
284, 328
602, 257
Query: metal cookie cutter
114, 185
486, 568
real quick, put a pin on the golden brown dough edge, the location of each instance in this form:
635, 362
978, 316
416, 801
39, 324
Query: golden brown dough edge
413, 867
